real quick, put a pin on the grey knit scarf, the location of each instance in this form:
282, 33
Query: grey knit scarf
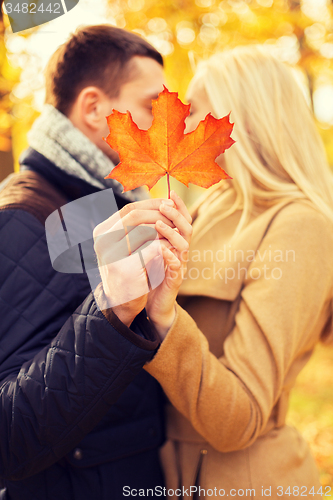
54, 136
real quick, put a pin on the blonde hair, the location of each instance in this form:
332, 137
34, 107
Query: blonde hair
278, 152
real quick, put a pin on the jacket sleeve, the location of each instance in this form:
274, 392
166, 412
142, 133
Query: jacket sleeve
56, 383
281, 315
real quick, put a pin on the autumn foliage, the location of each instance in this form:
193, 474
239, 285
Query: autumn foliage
147, 155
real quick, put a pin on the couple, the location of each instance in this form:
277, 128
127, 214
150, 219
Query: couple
104, 399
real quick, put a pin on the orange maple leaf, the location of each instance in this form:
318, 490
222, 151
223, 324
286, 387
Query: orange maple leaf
164, 149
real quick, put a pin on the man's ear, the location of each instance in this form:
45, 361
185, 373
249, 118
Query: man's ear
89, 108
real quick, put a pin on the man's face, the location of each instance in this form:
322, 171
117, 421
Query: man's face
135, 96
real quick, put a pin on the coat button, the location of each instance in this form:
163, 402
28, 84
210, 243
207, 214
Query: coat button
77, 454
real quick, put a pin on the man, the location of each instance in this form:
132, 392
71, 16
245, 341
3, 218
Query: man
79, 418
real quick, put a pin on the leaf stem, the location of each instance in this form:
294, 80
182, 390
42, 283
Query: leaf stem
168, 180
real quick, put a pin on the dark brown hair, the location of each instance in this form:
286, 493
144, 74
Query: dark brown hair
94, 55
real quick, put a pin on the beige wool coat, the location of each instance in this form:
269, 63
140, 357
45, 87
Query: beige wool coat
248, 317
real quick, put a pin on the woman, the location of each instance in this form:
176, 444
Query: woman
258, 292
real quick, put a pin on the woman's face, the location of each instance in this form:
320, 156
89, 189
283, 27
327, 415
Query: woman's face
200, 106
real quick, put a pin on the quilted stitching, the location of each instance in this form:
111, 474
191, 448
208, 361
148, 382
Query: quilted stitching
100, 361
37, 247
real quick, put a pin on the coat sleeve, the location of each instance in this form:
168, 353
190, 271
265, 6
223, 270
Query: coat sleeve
281, 315
57, 383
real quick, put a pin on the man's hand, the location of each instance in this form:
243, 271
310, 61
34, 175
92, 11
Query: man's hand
126, 244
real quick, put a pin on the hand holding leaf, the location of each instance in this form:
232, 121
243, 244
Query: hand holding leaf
164, 149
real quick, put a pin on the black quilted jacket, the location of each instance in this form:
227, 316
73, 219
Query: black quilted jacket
79, 419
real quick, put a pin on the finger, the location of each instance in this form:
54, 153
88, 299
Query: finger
110, 250
106, 225
151, 226
151, 251
178, 220
165, 243
154, 265
176, 239
139, 210
170, 259
141, 236
123, 228
139, 239
150, 204
141, 217
181, 207
117, 245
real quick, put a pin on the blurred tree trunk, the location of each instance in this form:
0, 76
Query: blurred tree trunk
295, 6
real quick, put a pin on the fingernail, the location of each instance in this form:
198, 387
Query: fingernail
165, 207
169, 202
161, 224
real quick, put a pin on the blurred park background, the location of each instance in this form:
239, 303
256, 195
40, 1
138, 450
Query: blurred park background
299, 32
